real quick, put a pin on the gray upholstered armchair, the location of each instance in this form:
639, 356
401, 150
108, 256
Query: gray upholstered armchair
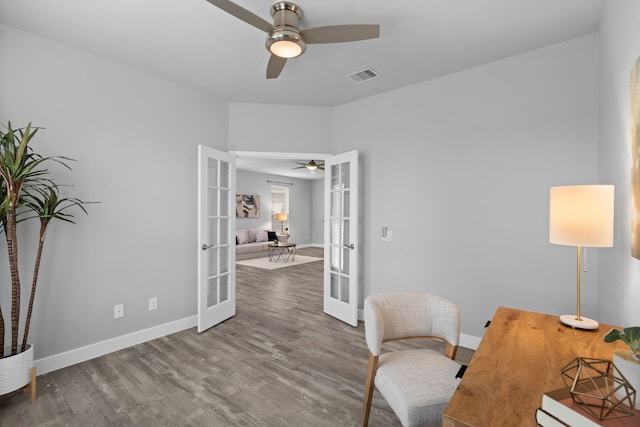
417, 383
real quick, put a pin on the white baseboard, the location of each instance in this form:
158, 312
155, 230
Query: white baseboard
469, 341
91, 351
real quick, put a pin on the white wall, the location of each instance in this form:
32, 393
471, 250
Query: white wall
279, 128
619, 291
459, 169
135, 139
300, 204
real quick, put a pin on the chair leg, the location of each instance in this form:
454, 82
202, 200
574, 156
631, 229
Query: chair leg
368, 388
451, 351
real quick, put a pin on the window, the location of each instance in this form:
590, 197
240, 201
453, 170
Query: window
279, 204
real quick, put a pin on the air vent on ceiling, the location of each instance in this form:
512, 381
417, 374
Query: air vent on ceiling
363, 75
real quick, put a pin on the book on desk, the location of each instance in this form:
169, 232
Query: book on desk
559, 410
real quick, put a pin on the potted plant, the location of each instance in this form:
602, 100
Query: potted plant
627, 360
27, 191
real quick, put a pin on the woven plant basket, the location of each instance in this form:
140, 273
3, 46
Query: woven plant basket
15, 371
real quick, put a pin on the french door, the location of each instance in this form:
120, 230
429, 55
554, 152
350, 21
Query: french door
341, 237
216, 231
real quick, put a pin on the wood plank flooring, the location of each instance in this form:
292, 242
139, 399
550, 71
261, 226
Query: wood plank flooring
279, 362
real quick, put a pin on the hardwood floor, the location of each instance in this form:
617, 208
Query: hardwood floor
279, 362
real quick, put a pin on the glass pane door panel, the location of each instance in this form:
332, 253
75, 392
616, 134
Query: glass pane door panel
334, 286
335, 177
212, 261
346, 238
212, 232
224, 288
344, 175
344, 262
336, 235
224, 174
213, 202
336, 203
213, 173
212, 292
224, 227
335, 258
224, 200
344, 289
224, 259
345, 204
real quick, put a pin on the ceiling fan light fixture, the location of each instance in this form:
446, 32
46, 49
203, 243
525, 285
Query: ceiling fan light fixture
311, 166
285, 43
285, 39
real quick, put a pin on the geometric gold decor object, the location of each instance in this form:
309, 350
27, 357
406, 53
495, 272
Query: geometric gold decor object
592, 384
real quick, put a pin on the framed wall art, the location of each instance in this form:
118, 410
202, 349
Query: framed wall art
247, 206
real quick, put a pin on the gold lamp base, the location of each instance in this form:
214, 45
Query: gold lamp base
580, 323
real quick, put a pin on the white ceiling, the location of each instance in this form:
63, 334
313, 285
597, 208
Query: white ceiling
197, 45
283, 164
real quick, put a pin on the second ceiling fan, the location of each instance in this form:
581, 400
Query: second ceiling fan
284, 37
312, 166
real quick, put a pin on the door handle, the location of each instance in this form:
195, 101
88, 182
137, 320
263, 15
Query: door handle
205, 247
349, 246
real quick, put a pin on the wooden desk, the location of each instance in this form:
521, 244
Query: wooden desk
518, 360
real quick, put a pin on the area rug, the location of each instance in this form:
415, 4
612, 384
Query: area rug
271, 265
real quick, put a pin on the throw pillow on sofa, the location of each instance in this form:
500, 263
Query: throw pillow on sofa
261, 236
242, 236
253, 234
271, 236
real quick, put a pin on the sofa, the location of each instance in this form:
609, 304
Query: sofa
253, 242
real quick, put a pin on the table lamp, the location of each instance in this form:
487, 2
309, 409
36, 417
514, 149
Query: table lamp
581, 216
282, 217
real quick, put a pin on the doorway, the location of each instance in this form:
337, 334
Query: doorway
340, 237
280, 169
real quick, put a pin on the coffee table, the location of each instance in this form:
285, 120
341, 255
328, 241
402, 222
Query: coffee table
284, 251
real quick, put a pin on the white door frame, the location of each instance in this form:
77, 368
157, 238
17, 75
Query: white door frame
279, 156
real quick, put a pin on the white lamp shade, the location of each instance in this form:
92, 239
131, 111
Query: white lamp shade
581, 215
282, 216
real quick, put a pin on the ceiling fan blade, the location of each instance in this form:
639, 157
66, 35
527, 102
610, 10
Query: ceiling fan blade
243, 14
340, 33
275, 66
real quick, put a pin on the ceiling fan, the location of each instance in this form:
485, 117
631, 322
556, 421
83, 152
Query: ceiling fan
312, 166
284, 37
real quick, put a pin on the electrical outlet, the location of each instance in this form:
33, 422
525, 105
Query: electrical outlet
118, 311
153, 303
